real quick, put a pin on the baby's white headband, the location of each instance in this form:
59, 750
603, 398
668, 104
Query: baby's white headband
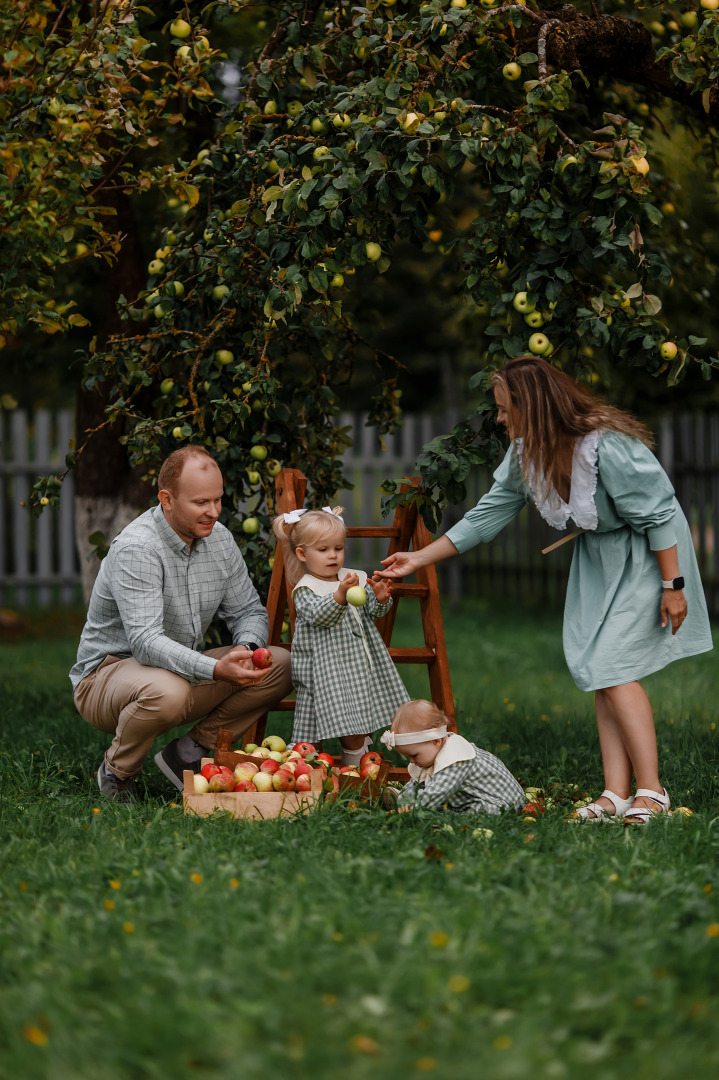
408, 738
294, 515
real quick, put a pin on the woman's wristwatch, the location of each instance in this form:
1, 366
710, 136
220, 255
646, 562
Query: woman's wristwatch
675, 584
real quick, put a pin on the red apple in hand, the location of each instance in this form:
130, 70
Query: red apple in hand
370, 756
304, 748
262, 658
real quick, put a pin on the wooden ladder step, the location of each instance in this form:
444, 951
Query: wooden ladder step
373, 530
400, 589
412, 656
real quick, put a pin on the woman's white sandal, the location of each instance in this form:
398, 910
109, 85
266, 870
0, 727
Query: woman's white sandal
601, 813
640, 815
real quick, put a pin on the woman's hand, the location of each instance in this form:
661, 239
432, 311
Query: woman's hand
399, 565
674, 608
382, 589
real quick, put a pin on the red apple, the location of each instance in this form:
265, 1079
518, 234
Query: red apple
348, 770
326, 759
291, 755
222, 782
330, 786
371, 770
246, 770
260, 752
224, 769
209, 770
291, 766
370, 756
283, 780
303, 769
304, 748
269, 765
263, 781
262, 658
245, 785
303, 782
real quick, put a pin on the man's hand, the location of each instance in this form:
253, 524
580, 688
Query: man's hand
382, 589
236, 667
346, 583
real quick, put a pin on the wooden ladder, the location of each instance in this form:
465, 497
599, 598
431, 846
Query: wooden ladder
407, 531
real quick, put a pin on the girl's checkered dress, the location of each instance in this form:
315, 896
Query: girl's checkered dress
345, 680
465, 779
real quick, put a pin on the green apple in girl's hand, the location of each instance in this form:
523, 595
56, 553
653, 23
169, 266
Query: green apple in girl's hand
357, 596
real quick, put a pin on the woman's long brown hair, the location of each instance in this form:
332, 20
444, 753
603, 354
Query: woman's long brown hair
552, 410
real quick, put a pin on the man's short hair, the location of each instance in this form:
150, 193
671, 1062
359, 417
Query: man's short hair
173, 465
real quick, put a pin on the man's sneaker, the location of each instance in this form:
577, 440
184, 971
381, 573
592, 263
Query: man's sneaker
112, 787
171, 764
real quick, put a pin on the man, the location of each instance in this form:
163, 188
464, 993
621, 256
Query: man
139, 671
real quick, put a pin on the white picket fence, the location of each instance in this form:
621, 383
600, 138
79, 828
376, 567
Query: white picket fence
39, 565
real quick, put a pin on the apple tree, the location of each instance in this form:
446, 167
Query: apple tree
513, 140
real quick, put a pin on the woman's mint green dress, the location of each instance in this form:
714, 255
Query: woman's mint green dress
624, 500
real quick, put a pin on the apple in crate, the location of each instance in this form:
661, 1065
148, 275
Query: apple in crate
249, 748
283, 780
244, 785
263, 781
330, 786
349, 770
260, 752
325, 759
276, 756
303, 769
246, 770
292, 755
370, 756
291, 766
269, 766
209, 770
262, 658
303, 782
202, 784
369, 771
274, 742
222, 782
304, 748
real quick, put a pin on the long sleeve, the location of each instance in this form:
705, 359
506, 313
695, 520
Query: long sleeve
318, 611
241, 607
439, 789
494, 510
639, 488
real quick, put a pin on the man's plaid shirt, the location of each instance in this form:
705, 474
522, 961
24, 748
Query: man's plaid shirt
154, 599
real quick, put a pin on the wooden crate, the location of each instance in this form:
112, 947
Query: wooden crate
252, 805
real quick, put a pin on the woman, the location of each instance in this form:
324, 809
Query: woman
633, 572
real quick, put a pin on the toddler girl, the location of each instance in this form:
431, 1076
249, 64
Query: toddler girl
346, 683
448, 772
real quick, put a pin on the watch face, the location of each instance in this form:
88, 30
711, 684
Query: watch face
678, 582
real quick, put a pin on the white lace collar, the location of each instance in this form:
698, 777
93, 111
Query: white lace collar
324, 588
456, 748
580, 508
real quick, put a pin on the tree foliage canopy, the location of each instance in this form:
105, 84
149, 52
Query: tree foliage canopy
510, 140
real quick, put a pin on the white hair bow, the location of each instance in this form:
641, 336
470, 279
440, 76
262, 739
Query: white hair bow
294, 515
409, 738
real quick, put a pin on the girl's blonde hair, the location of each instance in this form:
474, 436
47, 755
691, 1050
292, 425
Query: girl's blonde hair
419, 715
314, 527
553, 409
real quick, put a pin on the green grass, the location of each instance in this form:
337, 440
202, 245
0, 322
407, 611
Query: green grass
349, 941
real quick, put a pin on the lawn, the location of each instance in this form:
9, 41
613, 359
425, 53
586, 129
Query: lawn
138, 943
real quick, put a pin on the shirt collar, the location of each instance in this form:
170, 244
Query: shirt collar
456, 748
323, 588
167, 533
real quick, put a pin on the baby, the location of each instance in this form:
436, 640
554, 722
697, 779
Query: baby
448, 772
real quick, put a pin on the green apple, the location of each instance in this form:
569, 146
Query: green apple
171, 238
183, 52
458, 3
159, 311
253, 477
202, 44
275, 744
538, 344
337, 281
373, 251
220, 292
294, 108
522, 304
177, 287
156, 266
357, 596
80, 250
341, 120
317, 125
512, 71
177, 433
270, 107
273, 467
247, 386
166, 385
668, 349
180, 29
250, 526
258, 452
224, 356
709, 5
534, 319
320, 152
